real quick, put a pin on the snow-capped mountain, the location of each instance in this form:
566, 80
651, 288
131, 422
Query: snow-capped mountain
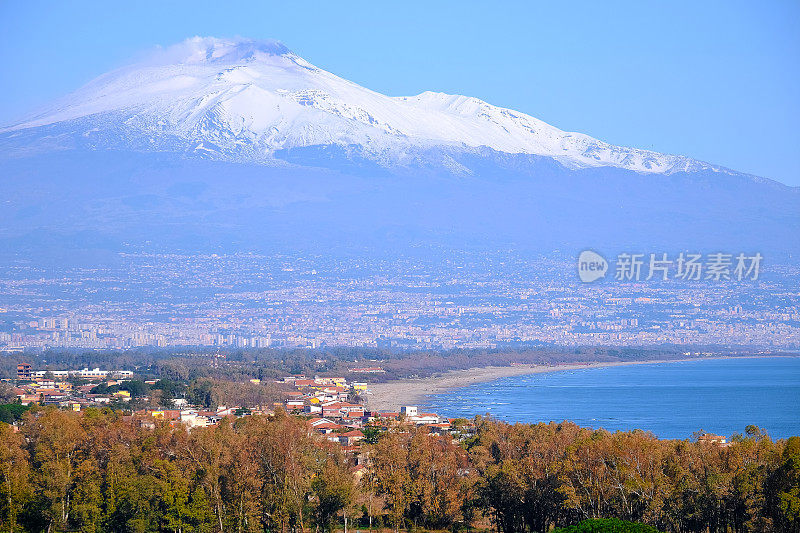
232, 144
238, 99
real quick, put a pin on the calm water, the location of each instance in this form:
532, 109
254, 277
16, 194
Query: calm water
672, 400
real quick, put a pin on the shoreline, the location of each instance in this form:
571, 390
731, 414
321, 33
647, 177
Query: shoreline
391, 395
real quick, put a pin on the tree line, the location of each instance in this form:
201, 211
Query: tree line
240, 364
98, 471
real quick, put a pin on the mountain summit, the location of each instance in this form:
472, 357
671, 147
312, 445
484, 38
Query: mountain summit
235, 144
241, 99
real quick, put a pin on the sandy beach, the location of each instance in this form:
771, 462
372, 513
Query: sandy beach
390, 396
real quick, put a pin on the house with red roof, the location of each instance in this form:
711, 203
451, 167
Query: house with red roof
350, 438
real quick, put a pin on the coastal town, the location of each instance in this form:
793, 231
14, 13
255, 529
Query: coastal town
351, 465
354, 463
332, 406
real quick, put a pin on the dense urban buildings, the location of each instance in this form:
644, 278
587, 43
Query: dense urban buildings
473, 301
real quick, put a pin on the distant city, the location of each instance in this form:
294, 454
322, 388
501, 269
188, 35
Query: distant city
473, 301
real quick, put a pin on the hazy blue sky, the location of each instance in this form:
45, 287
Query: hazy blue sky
712, 80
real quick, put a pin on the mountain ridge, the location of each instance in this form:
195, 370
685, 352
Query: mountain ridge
239, 145
245, 99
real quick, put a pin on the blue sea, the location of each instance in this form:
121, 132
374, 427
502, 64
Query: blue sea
672, 400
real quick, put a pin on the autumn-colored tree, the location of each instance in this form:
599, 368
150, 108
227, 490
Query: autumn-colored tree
436, 467
423, 478
98, 471
209, 455
15, 488
57, 446
751, 462
288, 458
391, 477
520, 468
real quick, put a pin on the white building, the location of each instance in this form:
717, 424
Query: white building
94, 374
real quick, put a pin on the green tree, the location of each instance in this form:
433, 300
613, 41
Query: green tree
12, 412
135, 387
201, 393
371, 434
607, 525
333, 489
785, 487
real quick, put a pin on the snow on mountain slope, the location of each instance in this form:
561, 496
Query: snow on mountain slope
229, 97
